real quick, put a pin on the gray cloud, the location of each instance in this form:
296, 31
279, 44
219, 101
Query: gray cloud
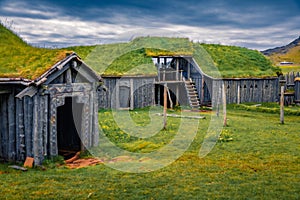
253, 24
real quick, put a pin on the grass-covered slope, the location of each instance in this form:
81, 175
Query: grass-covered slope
132, 58
289, 53
234, 61
19, 59
292, 55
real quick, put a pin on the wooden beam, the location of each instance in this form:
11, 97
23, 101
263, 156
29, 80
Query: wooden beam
238, 93
11, 128
177, 69
282, 105
131, 94
165, 106
5, 91
224, 105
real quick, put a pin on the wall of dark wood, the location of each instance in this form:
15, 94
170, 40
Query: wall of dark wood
239, 90
26, 124
141, 88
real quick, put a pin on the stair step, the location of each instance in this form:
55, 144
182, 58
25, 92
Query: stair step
192, 94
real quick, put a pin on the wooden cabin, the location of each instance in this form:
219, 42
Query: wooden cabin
193, 87
54, 114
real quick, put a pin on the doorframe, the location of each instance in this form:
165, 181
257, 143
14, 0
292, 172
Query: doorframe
81, 93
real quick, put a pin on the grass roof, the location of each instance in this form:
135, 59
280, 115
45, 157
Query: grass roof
132, 58
19, 59
233, 61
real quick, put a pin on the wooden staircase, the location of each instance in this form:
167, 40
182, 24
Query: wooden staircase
192, 94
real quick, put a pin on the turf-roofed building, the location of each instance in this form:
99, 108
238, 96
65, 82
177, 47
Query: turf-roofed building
49, 98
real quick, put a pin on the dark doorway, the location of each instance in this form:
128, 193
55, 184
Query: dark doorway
69, 118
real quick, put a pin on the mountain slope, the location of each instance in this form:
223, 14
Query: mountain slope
289, 53
282, 50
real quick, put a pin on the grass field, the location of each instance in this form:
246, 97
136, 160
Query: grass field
293, 68
260, 161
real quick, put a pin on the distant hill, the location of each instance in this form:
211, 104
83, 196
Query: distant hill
287, 53
282, 50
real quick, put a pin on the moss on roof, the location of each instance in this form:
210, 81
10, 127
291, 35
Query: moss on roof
132, 58
19, 59
233, 61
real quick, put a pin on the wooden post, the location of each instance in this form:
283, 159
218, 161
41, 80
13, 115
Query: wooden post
131, 94
170, 99
177, 94
177, 69
239, 94
165, 106
282, 105
117, 105
202, 90
224, 105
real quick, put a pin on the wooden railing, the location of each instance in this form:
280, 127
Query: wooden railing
170, 75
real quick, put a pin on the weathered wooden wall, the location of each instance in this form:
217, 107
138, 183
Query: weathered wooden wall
141, 90
291, 87
12, 125
28, 124
239, 90
251, 90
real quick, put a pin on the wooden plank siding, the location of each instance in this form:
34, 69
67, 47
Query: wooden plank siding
28, 122
141, 88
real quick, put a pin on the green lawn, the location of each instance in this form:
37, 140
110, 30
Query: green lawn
286, 69
260, 162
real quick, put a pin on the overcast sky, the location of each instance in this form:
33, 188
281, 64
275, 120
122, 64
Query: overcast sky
250, 23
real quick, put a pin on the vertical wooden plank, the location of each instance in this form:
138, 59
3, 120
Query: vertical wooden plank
40, 138
165, 106
224, 105
117, 97
4, 126
95, 122
90, 120
131, 94
158, 94
11, 128
68, 76
52, 128
20, 134
282, 105
1, 124
36, 131
238, 92
44, 127
153, 92
189, 70
202, 89
28, 112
